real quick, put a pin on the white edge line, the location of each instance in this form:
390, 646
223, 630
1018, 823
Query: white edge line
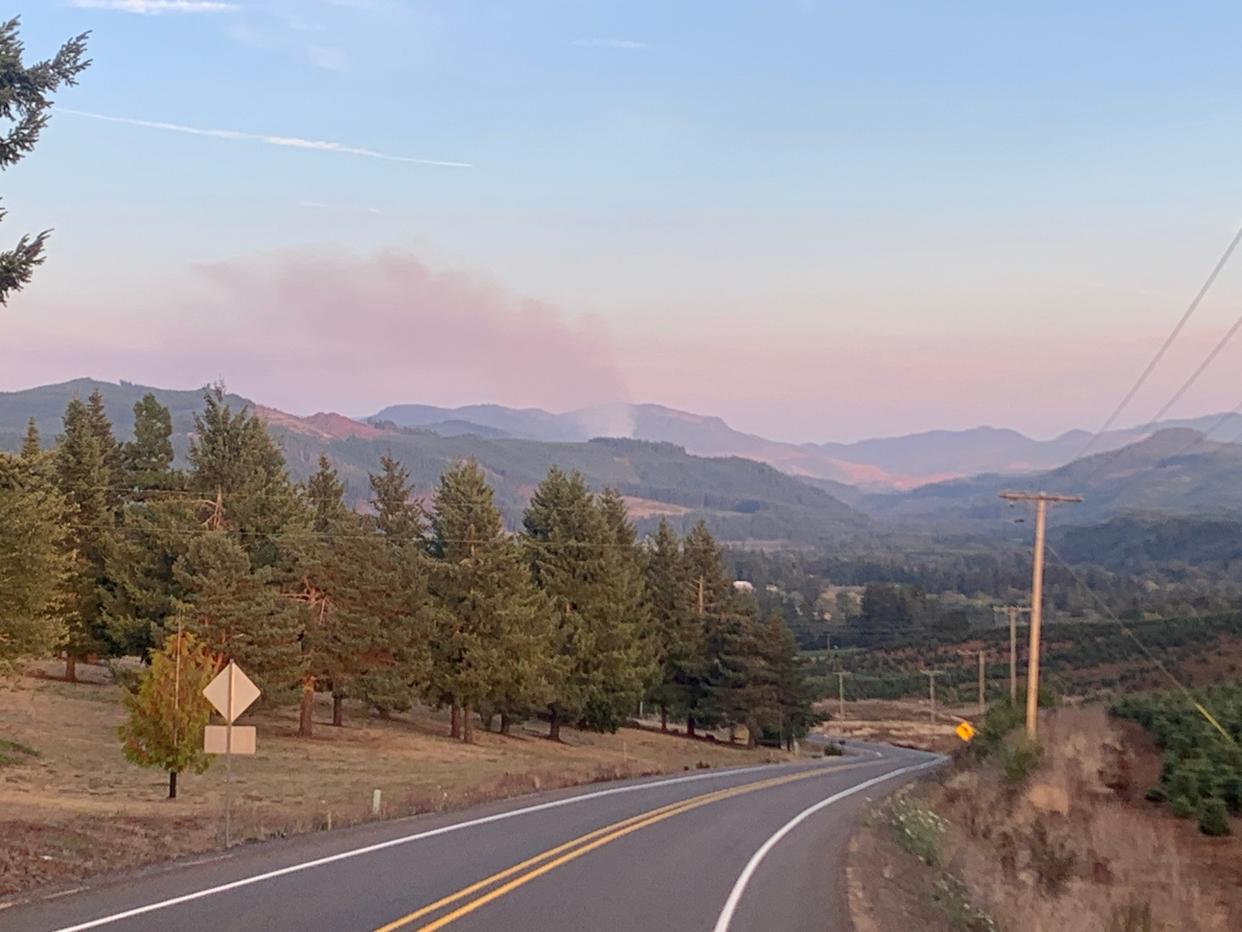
739, 888
394, 842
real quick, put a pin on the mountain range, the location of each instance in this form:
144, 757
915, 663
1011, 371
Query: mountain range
876, 464
683, 466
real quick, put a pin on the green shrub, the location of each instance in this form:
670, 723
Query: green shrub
833, 750
919, 829
1021, 758
1214, 817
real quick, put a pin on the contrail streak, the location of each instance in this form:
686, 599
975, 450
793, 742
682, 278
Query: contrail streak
291, 142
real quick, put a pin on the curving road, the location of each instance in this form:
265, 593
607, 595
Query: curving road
754, 849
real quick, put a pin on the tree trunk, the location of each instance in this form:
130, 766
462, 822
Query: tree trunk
455, 721
732, 734
172, 784
505, 724
664, 719
467, 719
690, 733
306, 725
554, 727
338, 710
71, 668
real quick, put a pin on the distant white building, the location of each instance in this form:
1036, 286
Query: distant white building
742, 585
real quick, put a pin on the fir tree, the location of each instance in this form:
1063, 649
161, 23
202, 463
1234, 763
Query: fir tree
36, 562
31, 446
708, 593
25, 100
84, 463
236, 613
348, 586
147, 459
491, 649
167, 711
677, 640
401, 667
571, 549
398, 515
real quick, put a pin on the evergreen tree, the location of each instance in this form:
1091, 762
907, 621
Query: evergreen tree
25, 99
709, 596
792, 696
147, 459
31, 447
233, 609
240, 474
399, 516
84, 462
491, 648
350, 599
571, 551
400, 669
167, 711
36, 562
678, 632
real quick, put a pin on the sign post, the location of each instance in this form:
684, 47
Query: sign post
231, 693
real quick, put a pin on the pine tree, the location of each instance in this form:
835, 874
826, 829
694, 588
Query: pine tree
787, 693
240, 474
25, 99
84, 461
399, 516
571, 549
709, 596
348, 590
147, 459
491, 648
36, 562
233, 609
400, 669
677, 641
31, 447
168, 712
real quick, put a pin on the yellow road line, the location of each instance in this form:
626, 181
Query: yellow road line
584, 844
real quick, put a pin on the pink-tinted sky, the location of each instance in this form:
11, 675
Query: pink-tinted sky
818, 220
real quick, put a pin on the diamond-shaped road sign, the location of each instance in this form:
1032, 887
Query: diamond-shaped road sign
965, 731
231, 692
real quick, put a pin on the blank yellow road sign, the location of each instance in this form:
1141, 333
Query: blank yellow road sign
231, 692
216, 739
965, 731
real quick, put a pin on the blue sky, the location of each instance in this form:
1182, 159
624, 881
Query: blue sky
819, 220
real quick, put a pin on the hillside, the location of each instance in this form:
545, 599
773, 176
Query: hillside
882, 463
1173, 472
741, 499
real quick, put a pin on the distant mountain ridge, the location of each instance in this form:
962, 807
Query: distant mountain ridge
742, 500
881, 463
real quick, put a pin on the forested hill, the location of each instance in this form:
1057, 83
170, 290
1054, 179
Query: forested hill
741, 499
1173, 472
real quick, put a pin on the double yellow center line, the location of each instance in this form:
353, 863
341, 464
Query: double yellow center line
522, 873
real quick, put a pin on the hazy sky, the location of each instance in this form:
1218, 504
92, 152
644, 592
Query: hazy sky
819, 220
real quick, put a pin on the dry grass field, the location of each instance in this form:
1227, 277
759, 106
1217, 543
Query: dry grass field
77, 807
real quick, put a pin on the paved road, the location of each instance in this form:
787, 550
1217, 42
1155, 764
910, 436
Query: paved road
756, 849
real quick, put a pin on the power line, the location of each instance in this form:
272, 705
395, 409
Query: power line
1164, 347
1199, 706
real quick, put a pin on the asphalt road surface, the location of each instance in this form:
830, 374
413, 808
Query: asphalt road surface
754, 849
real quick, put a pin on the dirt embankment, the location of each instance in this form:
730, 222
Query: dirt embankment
1068, 844
76, 807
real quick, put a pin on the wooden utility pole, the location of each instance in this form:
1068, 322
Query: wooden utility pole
841, 675
931, 688
1013, 611
983, 704
1041, 500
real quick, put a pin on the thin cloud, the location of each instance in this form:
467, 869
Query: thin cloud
321, 205
611, 44
329, 59
292, 142
156, 7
